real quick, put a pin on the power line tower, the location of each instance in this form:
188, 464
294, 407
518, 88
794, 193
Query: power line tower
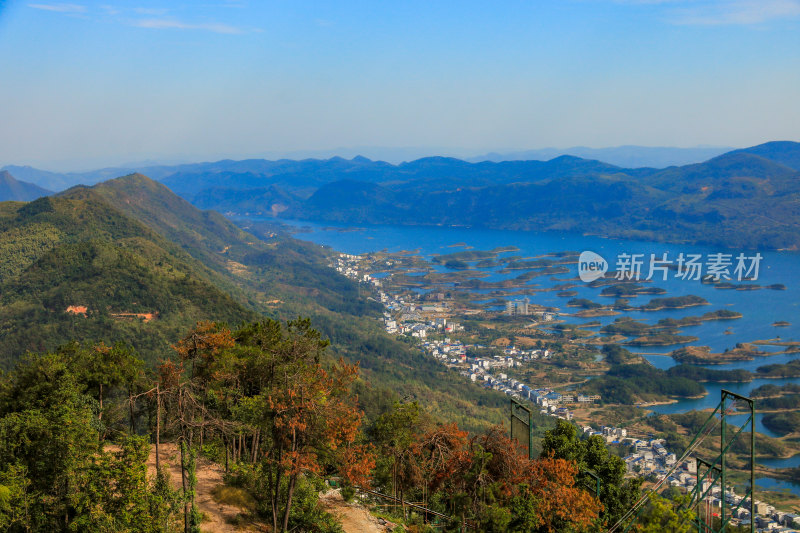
716, 471
715, 474
522, 426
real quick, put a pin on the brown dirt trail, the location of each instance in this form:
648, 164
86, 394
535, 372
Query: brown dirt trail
218, 517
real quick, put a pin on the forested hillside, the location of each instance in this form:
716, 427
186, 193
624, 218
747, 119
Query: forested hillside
129, 261
745, 198
72, 267
83, 428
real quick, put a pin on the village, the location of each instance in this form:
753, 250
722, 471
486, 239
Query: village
409, 315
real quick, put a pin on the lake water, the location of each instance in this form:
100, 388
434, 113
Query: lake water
768, 483
760, 308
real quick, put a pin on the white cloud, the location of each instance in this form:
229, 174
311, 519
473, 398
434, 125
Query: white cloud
173, 24
735, 12
721, 12
60, 8
110, 10
151, 11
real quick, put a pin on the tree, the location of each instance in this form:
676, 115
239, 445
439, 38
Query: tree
119, 496
661, 514
486, 481
54, 474
263, 387
101, 368
307, 416
16, 500
394, 433
617, 494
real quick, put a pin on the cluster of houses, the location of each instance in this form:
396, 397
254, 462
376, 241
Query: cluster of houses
648, 457
416, 326
454, 354
410, 319
347, 264
768, 519
651, 457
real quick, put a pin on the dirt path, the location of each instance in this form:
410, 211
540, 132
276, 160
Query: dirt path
218, 517
354, 517
222, 518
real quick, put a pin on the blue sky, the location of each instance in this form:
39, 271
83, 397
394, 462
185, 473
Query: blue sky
86, 84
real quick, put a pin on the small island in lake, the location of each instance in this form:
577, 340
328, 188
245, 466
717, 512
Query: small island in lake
786, 370
673, 302
702, 354
661, 339
630, 290
782, 423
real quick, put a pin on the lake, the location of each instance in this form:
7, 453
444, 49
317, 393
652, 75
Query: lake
760, 308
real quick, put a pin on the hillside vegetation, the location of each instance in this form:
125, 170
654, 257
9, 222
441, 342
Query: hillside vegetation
258, 403
135, 263
73, 267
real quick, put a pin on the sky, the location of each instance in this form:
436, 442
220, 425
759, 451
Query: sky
86, 84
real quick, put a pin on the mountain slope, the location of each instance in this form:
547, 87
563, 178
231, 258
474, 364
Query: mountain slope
282, 277
73, 267
270, 200
12, 189
737, 164
206, 235
786, 153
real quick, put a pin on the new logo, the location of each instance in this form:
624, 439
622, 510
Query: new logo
591, 266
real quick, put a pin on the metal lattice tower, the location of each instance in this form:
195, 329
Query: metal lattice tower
717, 470
522, 420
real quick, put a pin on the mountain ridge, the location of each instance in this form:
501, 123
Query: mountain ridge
12, 189
73, 265
743, 198
62, 180
738, 199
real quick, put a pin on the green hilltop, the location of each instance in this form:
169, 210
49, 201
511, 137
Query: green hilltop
73, 267
147, 265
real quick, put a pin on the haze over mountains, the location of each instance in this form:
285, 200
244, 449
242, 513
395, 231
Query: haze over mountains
13, 189
129, 261
743, 198
623, 156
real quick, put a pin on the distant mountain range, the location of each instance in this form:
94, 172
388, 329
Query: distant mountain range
623, 156
748, 198
13, 189
743, 198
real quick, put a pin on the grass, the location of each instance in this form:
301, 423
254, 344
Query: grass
236, 496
